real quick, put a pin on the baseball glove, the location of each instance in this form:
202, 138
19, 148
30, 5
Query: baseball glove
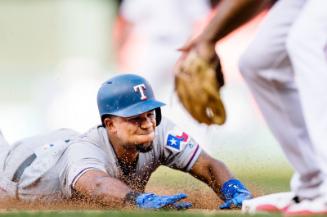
197, 83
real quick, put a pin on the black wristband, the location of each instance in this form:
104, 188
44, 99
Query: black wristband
131, 197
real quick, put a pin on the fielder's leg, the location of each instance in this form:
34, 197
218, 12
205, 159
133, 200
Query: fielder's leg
267, 69
306, 45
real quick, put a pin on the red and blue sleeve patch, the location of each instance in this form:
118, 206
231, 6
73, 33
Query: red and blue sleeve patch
176, 142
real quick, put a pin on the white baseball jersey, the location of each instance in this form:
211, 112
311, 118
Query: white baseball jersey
171, 147
39, 178
63, 156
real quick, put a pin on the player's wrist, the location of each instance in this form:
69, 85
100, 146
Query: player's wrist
206, 50
130, 197
232, 187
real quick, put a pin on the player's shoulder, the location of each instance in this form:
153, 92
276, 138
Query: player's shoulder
90, 144
165, 122
164, 126
63, 134
94, 136
171, 136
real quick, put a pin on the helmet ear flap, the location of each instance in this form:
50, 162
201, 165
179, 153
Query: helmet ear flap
158, 115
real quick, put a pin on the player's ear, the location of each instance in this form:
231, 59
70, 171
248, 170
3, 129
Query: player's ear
109, 124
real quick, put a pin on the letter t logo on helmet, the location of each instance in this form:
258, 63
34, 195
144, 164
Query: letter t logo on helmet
140, 88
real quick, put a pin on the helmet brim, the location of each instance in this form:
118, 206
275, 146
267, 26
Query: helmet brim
139, 108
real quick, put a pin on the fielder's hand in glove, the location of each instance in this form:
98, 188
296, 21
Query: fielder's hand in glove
153, 201
234, 193
197, 83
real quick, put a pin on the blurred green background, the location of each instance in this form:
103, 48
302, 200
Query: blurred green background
55, 54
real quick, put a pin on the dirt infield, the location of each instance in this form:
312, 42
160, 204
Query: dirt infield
166, 182
201, 199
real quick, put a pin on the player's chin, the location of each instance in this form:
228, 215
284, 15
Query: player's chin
143, 148
144, 142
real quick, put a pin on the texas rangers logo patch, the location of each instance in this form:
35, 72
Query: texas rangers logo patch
176, 140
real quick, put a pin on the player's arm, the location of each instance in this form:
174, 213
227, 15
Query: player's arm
216, 175
211, 171
230, 15
99, 186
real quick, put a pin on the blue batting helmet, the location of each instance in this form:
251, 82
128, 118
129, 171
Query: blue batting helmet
127, 95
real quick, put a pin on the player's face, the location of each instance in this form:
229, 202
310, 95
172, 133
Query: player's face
137, 132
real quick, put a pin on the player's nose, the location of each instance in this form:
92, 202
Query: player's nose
147, 123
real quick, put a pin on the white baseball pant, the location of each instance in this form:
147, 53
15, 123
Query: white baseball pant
286, 69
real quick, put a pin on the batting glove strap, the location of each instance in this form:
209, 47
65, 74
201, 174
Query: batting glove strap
232, 188
153, 201
131, 196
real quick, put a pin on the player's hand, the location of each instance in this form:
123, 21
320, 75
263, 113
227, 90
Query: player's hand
205, 49
234, 193
153, 201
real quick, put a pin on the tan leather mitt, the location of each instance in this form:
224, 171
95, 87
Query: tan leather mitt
197, 83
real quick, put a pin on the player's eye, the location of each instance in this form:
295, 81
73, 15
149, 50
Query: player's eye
151, 114
134, 120
139, 119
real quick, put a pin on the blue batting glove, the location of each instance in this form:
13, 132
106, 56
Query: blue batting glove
234, 193
182, 205
153, 201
